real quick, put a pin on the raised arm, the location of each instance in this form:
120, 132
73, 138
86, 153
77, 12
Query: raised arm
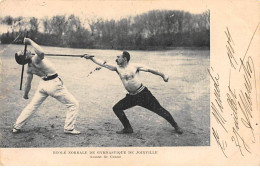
28, 85
38, 50
100, 62
153, 71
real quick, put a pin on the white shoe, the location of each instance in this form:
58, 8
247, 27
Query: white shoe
72, 132
16, 130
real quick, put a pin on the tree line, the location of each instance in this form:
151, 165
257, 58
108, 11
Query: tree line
157, 29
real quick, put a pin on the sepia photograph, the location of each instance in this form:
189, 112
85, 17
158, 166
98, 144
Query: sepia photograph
91, 79
129, 82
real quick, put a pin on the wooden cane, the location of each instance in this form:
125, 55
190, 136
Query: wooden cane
71, 55
25, 49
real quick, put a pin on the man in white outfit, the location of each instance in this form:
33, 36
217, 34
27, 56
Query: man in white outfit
50, 85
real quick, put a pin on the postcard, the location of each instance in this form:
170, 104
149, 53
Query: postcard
129, 83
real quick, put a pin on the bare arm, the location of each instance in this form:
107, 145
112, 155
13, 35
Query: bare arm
101, 63
38, 50
153, 71
28, 85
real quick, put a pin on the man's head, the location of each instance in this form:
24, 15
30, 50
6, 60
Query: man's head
123, 58
21, 59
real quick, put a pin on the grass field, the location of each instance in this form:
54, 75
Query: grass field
186, 96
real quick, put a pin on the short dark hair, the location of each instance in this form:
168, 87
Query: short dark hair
126, 55
21, 59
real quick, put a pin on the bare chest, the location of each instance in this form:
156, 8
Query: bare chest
127, 73
42, 68
35, 70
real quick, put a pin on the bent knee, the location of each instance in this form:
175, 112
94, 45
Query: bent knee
76, 104
116, 108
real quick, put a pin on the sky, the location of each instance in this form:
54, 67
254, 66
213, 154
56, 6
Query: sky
89, 8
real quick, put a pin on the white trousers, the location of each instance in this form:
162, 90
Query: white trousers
57, 90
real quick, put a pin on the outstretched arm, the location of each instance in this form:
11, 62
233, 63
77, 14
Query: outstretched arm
153, 71
28, 85
38, 50
100, 62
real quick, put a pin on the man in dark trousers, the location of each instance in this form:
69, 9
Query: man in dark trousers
138, 94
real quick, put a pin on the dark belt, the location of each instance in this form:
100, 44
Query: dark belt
46, 78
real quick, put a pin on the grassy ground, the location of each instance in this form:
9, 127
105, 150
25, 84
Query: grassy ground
185, 96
